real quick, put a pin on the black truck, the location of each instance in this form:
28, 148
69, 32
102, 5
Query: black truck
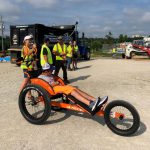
39, 31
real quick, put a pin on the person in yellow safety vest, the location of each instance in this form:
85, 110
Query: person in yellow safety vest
26, 64
69, 55
113, 52
59, 51
75, 55
46, 55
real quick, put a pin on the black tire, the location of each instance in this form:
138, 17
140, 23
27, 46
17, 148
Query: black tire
34, 103
132, 55
124, 121
123, 56
127, 57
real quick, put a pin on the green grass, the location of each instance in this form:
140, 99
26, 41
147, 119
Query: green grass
101, 54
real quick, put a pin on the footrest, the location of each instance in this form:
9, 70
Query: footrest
84, 106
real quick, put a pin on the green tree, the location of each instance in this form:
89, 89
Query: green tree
6, 42
122, 38
109, 38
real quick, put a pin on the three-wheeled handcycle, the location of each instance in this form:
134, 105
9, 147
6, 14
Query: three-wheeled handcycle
120, 116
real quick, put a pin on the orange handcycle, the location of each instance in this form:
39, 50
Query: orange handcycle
120, 116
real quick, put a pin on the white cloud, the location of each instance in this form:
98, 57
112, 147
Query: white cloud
134, 27
107, 28
131, 11
8, 7
42, 3
94, 26
97, 29
146, 17
38, 3
19, 1
11, 19
75, 1
119, 22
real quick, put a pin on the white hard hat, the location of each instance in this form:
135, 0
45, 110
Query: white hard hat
28, 37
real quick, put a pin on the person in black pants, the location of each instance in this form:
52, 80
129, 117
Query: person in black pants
60, 50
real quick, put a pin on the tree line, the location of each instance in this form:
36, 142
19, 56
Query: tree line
97, 43
6, 43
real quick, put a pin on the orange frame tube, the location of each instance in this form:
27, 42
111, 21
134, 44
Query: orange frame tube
74, 107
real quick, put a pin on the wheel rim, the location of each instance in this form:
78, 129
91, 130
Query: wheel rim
35, 106
125, 121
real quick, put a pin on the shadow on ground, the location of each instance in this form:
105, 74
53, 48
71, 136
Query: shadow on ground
85, 67
141, 130
82, 60
100, 120
79, 78
68, 113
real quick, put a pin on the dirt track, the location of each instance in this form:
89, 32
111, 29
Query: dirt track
119, 79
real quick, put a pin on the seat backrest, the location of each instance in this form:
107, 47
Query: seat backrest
45, 85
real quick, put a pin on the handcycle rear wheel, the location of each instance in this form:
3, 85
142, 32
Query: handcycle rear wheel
127, 120
37, 109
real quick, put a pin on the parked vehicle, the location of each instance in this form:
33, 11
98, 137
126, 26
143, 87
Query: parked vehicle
85, 52
138, 47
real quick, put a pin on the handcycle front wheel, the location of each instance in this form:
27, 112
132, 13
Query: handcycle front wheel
37, 109
122, 118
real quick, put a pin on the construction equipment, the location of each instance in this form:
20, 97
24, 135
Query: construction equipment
138, 47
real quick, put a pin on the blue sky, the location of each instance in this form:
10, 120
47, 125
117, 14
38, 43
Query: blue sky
96, 17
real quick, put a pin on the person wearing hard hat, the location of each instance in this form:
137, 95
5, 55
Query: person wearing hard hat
27, 59
46, 55
59, 51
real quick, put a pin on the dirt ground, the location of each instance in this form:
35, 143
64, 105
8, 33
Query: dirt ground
119, 79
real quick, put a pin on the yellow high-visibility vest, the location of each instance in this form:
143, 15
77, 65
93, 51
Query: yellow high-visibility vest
27, 59
114, 50
58, 48
69, 51
49, 55
76, 48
